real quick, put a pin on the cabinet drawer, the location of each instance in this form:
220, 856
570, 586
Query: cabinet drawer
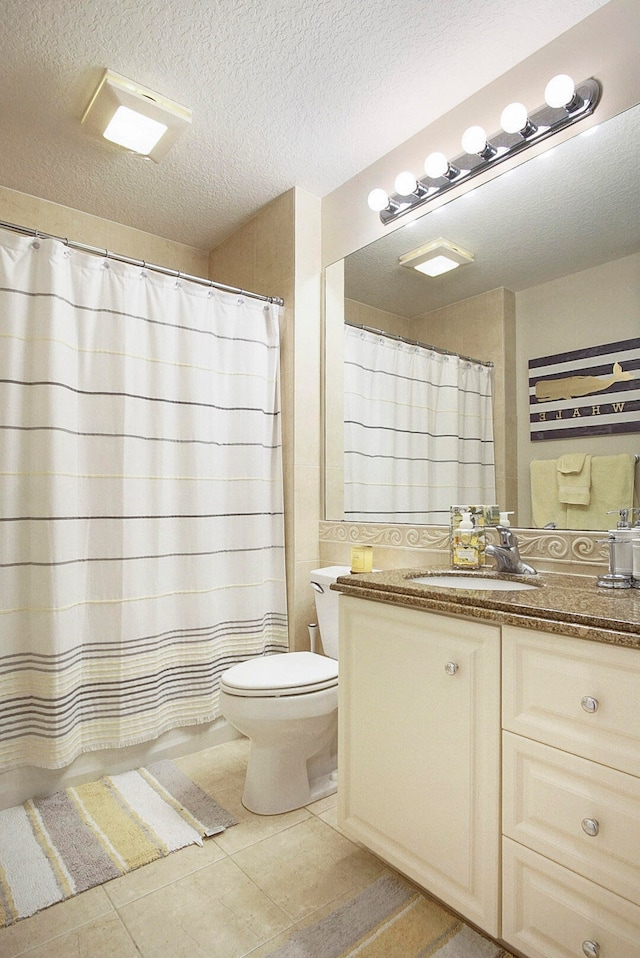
550, 912
555, 802
551, 681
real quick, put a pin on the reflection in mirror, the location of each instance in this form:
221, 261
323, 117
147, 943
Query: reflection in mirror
556, 247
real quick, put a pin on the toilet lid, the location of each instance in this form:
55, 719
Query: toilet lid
285, 673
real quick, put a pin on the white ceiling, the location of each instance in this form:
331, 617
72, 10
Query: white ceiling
284, 93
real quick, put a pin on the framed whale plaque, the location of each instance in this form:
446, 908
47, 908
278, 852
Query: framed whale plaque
587, 392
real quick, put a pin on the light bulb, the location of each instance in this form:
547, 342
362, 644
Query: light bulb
378, 200
405, 183
559, 91
474, 140
514, 118
435, 165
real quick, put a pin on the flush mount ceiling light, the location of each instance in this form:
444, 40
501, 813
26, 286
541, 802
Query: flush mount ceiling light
134, 117
436, 258
564, 105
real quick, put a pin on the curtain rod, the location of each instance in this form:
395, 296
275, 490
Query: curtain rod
415, 342
119, 258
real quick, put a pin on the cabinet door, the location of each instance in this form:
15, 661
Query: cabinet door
579, 696
419, 743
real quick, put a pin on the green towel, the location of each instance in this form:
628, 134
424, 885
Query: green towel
574, 479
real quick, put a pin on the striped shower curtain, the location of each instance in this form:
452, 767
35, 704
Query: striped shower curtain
141, 511
418, 431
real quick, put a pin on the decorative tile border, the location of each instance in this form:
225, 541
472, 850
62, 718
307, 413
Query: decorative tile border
559, 550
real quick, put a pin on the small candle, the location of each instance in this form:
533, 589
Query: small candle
361, 558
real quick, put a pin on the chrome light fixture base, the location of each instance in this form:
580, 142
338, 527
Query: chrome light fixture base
541, 124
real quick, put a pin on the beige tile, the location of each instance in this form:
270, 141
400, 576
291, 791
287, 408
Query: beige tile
307, 866
216, 768
330, 817
163, 872
62, 919
215, 913
103, 938
324, 805
255, 828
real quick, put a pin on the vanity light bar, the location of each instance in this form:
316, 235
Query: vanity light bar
519, 131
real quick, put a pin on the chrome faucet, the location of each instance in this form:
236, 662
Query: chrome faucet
507, 554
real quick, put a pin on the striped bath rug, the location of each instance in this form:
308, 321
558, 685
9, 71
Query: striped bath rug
53, 848
389, 919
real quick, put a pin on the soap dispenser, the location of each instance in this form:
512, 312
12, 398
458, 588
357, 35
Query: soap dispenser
624, 536
466, 543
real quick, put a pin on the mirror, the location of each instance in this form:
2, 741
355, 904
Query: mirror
556, 245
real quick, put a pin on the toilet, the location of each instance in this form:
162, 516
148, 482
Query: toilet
287, 706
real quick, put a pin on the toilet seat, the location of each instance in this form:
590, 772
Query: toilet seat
282, 674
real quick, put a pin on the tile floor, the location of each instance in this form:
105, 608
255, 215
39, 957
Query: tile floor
226, 899
230, 898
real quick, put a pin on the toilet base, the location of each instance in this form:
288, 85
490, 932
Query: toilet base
277, 783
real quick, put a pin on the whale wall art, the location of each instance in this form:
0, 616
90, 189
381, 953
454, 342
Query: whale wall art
587, 392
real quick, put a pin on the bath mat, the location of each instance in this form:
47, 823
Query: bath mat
389, 919
53, 848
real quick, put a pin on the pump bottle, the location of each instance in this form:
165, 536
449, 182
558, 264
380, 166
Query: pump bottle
624, 536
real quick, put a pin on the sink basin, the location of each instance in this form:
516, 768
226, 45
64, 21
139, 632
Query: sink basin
488, 583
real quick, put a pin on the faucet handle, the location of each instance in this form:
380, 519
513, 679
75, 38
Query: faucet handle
508, 538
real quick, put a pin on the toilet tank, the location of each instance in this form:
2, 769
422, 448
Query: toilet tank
327, 605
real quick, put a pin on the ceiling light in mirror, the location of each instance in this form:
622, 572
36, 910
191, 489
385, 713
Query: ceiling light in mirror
436, 258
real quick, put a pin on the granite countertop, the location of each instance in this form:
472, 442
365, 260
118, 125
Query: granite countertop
563, 604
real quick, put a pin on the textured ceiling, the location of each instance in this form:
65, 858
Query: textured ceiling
284, 93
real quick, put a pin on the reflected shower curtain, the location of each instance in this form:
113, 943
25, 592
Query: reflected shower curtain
418, 431
141, 511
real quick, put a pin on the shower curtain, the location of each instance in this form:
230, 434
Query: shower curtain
141, 511
418, 431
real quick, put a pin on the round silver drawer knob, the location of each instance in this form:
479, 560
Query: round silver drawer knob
451, 668
589, 704
591, 826
591, 949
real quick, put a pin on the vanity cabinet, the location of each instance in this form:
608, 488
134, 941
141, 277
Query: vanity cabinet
419, 748
571, 796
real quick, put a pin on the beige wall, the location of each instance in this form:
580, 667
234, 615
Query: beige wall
38, 214
278, 253
588, 308
360, 314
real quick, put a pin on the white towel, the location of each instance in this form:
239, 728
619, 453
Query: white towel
574, 479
